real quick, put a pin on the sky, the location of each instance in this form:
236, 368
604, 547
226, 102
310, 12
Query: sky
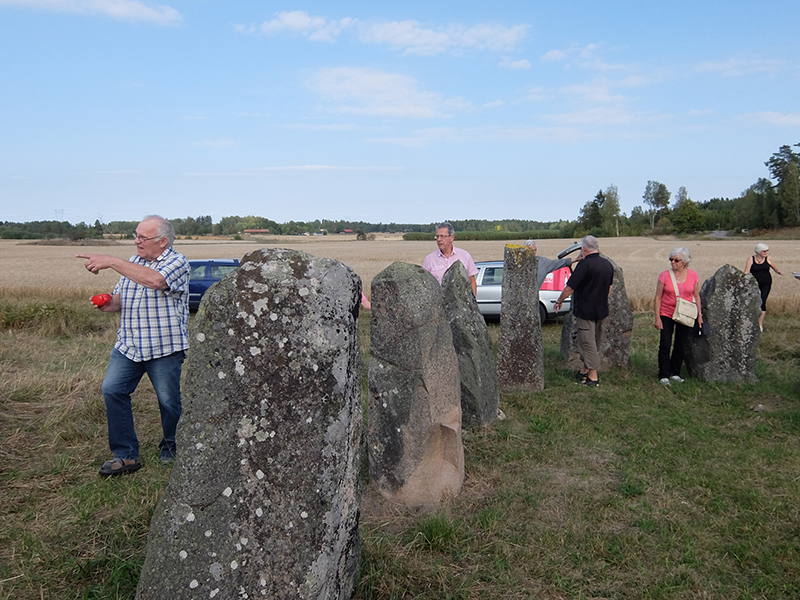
408, 112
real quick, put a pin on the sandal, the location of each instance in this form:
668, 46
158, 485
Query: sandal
590, 382
118, 466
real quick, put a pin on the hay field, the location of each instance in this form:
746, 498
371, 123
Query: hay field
25, 266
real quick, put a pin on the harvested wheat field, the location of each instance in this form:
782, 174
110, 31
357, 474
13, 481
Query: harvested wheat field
33, 266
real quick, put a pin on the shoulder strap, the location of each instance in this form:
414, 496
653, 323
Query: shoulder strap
675, 283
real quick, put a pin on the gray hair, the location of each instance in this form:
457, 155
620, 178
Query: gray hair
446, 225
530, 243
760, 247
590, 243
682, 253
164, 228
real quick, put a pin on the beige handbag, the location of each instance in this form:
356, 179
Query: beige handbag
685, 311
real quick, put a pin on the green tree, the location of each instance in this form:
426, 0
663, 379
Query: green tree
783, 167
656, 196
609, 211
789, 193
591, 216
686, 214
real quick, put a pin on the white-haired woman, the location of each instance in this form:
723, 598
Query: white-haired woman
758, 266
688, 282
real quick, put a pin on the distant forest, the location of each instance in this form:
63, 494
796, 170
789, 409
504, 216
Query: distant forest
769, 203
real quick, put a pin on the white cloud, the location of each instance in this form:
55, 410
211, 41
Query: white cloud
582, 57
410, 37
299, 22
738, 67
360, 91
774, 118
596, 91
516, 64
123, 10
413, 38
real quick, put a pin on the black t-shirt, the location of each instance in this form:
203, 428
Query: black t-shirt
590, 281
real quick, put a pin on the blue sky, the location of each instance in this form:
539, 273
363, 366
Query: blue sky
410, 112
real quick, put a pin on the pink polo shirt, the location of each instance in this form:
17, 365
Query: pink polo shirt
436, 263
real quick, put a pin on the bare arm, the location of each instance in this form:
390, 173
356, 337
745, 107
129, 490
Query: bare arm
142, 275
474, 284
774, 266
748, 265
696, 293
115, 305
564, 295
657, 305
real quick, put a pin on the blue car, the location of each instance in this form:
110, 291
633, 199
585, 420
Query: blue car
205, 273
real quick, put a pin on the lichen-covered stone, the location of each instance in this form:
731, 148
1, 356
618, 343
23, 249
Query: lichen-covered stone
416, 457
520, 355
263, 500
617, 328
731, 303
477, 366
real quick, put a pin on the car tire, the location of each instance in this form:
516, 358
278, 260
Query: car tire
542, 313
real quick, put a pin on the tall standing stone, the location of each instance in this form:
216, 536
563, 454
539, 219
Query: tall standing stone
416, 457
615, 346
520, 360
477, 367
731, 303
263, 500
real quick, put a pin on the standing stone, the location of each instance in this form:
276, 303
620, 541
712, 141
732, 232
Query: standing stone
477, 367
520, 360
414, 435
615, 346
731, 303
263, 500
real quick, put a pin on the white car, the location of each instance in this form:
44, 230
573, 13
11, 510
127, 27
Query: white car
490, 288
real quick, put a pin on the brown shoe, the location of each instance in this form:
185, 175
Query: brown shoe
118, 466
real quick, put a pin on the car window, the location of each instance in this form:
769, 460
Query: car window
198, 272
219, 271
492, 276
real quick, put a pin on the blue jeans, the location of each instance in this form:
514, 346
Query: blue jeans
122, 377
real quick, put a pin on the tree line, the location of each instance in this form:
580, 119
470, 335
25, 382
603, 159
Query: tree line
764, 205
770, 202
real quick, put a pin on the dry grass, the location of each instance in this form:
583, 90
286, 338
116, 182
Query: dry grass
56, 269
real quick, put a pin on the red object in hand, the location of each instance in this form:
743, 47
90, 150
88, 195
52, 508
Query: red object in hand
101, 299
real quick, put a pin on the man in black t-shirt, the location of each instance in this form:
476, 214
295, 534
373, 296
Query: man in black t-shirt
591, 283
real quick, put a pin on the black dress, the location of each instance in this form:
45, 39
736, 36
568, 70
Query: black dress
764, 279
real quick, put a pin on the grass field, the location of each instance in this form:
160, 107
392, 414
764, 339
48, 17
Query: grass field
630, 490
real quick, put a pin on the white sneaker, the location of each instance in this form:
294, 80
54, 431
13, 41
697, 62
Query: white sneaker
664, 381
676, 378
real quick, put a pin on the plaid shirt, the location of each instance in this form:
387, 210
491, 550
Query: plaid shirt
154, 323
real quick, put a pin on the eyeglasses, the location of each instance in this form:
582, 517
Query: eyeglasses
141, 238
675, 260
443, 237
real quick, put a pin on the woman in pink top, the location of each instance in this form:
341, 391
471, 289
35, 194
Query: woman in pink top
669, 367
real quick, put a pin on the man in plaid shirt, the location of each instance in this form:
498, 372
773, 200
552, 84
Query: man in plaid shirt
152, 297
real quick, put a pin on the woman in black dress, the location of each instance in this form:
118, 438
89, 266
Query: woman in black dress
758, 266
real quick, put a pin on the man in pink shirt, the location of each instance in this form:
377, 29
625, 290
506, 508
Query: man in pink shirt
439, 261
